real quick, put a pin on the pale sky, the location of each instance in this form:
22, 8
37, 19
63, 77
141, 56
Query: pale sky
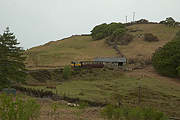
36, 22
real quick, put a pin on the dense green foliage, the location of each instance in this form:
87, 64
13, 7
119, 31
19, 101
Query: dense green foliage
105, 30
99, 32
12, 108
115, 28
11, 60
166, 60
67, 72
117, 113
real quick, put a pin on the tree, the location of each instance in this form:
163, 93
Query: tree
98, 32
12, 68
170, 21
166, 60
106, 30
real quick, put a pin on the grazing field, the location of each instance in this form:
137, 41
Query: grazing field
75, 48
138, 47
62, 52
109, 86
142, 86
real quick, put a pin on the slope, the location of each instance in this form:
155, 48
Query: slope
79, 47
139, 47
62, 52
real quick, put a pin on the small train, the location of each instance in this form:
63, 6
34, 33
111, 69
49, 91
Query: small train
100, 62
87, 64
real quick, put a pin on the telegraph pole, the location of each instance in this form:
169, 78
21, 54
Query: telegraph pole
134, 16
126, 19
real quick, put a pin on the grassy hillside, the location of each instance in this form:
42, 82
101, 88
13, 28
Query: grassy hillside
104, 85
111, 86
139, 47
62, 52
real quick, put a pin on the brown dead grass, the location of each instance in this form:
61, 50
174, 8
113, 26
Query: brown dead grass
75, 48
65, 112
60, 53
140, 47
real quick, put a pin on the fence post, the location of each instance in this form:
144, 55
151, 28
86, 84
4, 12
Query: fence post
139, 95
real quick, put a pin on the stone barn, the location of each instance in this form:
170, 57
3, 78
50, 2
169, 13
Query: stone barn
117, 61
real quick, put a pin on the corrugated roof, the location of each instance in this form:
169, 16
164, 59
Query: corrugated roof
111, 59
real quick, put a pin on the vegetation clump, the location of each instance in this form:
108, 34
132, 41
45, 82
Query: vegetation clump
169, 22
142, 21
105, 30
115, 34
121, 39
12, 108
67, 72
117, 113
99, 32
149, 37
166, 60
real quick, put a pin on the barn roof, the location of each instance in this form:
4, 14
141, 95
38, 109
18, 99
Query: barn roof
111, 59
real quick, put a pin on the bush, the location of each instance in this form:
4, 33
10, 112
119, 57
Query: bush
115, 113
98, 32
142, 21
121, 39
67, 72
166, 60
105, 30
149, 37
115, 28
12, 108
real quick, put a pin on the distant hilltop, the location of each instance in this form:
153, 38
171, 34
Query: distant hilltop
137, 40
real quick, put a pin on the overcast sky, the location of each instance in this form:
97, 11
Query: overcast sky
36, 22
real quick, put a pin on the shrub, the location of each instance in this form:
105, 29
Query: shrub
149, 37
121, 39
116, 113
98, 31
166, 60
142, 21
162, 22
105, 30
12, 108
67, 72
115, 28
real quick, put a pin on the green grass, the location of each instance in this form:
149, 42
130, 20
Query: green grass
71, 49
104, 86
75, 48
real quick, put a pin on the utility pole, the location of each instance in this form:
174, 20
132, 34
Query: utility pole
126, 19
134, 16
